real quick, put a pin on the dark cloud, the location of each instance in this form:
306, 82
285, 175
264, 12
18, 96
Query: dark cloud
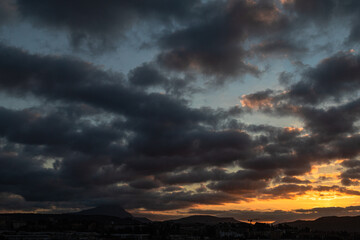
197, 175
186, 147
351, 175
244, 182
10, 202
330, 79
149, 75
239, 187
352, 163
334, 78
354, 36
324, 98
29, 127
285, 78
146, 76
294, 180
99, 25
333, 121
7, 11
169, 200
72, 80
144, 184
337, 189
287, 191
279, 47
75, 153
321, 10
213, 46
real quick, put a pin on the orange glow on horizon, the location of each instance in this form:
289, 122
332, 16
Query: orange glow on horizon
326, 191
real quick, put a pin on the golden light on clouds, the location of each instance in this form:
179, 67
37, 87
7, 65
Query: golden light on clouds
255, 103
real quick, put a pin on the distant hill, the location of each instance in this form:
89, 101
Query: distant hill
107, 210
349, 224
143, 219
204, 219
111, 210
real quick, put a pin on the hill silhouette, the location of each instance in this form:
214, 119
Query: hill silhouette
112, 210
204, 219
107, 210
332, 223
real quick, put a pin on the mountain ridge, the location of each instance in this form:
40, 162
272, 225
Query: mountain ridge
112, 210
204, 219
329, 223
107, 210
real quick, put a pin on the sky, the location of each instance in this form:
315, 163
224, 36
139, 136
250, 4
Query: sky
235, 108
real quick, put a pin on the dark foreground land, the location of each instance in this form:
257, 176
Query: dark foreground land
75, 226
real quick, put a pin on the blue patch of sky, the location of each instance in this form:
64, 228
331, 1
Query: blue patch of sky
128, 54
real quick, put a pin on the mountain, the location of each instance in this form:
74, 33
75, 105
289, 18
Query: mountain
107, 210
204, 219
143, 219
349, 224
112, 210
